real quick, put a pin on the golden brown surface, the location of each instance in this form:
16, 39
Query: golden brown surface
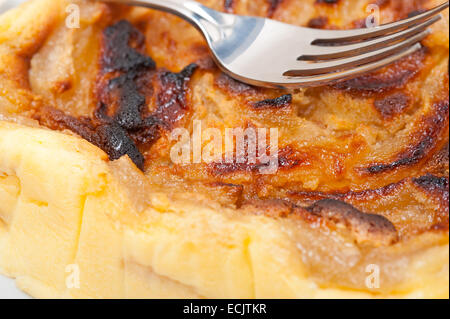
368, 138
378, 143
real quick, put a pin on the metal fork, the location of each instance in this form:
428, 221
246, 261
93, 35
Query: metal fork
268, 53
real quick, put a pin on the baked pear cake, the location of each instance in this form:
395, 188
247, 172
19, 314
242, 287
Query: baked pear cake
92, 204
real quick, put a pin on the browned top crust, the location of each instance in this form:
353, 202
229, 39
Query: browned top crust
369, 154
364, 227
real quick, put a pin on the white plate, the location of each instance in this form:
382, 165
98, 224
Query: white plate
8, 4
8, 289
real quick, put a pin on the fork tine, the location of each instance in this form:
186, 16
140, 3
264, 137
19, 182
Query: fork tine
311, 68
328, 53
330, 78
336, 37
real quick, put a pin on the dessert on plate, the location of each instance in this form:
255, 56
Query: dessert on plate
93, 204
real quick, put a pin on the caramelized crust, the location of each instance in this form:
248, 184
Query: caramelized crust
368, 156
357, 137
364, 228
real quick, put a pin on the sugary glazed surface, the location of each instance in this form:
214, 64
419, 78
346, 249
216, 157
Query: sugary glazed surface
363, 165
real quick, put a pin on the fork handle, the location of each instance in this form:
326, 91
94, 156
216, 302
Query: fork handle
192, 11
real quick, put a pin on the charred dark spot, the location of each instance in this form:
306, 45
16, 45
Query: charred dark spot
125, 94
434, 188
62, 86
327, 1
402, 9
130, 102
287, 158
111, 138
318, 23
228, 5
437, 188
228, 168
121, 100
432, 183
392, 105
120, 124
412, 156
58, 120
375, 84
118, 55
148, 134
391, 77
429, 135
114, 140
371, 194
233, 86
273, 6
365, 227
276, 103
